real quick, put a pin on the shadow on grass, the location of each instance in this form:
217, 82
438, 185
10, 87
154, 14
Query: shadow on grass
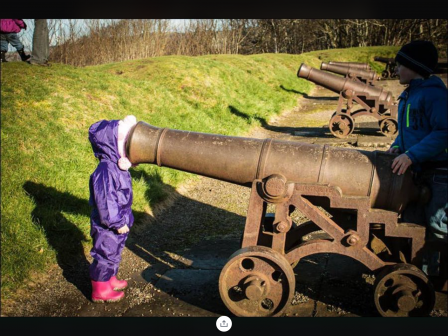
262, 121
153, 239
63, 236
305, 95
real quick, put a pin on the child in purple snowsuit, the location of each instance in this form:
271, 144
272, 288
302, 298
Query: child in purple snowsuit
111, 198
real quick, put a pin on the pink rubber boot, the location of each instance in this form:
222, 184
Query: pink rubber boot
118, 284
102, 291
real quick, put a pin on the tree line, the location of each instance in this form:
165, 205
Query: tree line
98, 41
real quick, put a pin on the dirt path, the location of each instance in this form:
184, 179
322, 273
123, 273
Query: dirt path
173, 262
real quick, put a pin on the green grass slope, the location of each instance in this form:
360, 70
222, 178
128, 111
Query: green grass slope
46, 158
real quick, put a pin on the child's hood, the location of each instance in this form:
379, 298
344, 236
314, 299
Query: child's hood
103, 136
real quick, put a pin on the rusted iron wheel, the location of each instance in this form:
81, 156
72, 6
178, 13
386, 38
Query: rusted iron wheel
385, 74
257, 281
388, 126
341, 125
403, 290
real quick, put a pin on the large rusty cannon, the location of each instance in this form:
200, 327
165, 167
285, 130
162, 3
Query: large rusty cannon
350, 195
389, 72
371, 101
361, 66
355, 73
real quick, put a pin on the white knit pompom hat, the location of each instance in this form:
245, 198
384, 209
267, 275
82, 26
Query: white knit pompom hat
124, 126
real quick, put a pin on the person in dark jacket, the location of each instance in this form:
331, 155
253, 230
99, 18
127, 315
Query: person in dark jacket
111, 199
8, 34
422, 141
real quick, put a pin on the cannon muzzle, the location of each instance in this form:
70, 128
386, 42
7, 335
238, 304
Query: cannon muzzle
242, 160
362, 66
349, 70
338, 84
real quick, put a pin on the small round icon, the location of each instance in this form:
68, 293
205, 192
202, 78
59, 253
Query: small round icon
223, 323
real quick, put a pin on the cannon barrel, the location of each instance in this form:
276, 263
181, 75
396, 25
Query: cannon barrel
345, 70
384, 59
338, 84
362, 66
242, 160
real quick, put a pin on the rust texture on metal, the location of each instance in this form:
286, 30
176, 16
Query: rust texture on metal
323, 183
355, 99
362, 66
242, 160
403, 290
257, 281
366, 76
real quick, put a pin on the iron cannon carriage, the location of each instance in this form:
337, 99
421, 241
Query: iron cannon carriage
371, 101
324, 183
389, 71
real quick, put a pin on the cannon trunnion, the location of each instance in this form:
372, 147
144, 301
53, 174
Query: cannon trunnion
350, 195
355, 99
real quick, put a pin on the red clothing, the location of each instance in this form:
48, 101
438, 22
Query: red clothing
12, 25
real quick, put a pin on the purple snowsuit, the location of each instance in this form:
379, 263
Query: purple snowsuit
111, 199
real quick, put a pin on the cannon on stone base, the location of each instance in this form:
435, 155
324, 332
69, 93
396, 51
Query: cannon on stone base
258, 279
371, 101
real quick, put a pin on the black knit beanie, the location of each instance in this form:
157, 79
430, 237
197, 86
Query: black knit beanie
420, 56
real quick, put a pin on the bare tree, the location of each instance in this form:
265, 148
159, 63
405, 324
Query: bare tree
95, 41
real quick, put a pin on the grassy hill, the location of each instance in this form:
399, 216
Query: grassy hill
46, 158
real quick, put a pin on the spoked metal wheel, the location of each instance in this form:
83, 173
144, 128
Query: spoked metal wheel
257, 281
403, 290
385, 74
341, 125
388, 126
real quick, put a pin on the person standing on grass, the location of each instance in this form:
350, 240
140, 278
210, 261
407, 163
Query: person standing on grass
422, 141
41, 43
110, 188
8, 34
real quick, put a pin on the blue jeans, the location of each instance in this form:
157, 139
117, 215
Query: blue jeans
436, 209
433, 215
12, 38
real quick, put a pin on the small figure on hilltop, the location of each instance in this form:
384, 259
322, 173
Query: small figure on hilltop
8, 31
111, 198
41, 43
422, 141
